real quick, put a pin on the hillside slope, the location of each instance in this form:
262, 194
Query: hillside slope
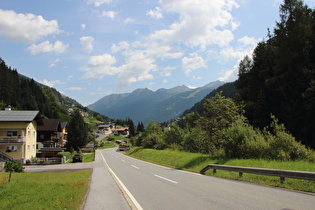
143, 105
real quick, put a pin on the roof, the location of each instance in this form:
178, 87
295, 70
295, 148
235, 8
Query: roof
49, 125
18, 116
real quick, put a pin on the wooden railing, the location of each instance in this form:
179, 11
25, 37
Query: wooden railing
263, 171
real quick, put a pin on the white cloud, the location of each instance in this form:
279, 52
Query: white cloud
54, 62
98, 3
100, 66
229, 75
26, 28
136, 70
51, 83
121, 46
157, 14
46, 47
109, 14
83, 26
201, 23
248, 41
166, 72
75, 88
87, 43
193, 63
128, 20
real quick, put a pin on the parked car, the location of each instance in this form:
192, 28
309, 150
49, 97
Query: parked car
77, 158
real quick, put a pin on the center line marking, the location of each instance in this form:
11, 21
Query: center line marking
135, 166
161, 177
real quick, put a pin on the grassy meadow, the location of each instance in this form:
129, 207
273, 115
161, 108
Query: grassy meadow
44, 190
194, 162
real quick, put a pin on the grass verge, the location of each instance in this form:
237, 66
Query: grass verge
44, 190
195, 162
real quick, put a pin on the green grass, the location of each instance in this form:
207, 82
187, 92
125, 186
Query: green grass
44, 190
111, 144
194, 162
88, 157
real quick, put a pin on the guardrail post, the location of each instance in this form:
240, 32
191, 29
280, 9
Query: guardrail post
214, 170
282, 179
240, 174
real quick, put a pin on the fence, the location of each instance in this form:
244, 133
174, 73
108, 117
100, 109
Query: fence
47, 161
263, 171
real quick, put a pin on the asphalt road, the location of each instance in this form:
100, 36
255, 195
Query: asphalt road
155, 187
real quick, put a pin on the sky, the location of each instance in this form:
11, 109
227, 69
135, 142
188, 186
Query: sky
87, 49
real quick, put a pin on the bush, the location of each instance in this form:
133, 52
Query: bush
241, 140
66, 154
15, 166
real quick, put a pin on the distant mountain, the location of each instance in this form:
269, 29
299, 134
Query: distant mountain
143, 105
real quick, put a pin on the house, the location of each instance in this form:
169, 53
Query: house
121, 132
18, 134
52, 136
106, 128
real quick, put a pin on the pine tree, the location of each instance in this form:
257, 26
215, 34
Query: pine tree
77, 132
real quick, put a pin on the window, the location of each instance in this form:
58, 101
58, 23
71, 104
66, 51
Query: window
29, 133
33, 146
28, 147
11, 133
11, 149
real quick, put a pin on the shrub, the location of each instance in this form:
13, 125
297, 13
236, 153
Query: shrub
241, 140
15, 166
66, 154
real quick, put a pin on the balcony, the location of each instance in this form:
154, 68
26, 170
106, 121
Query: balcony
12, 139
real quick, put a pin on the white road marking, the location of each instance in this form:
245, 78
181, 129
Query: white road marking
135, 166
134, 201
122, 160
161, 177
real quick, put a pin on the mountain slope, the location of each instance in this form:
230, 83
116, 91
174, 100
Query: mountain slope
145, 105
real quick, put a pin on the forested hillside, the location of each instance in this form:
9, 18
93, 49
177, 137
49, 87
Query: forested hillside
268, 113
280, 78
23, 93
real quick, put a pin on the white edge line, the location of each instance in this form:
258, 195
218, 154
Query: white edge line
161, 177
124, 188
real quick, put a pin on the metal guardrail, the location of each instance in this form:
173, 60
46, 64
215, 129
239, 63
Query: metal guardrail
263, 171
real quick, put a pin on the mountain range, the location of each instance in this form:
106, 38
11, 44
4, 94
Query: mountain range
143, 105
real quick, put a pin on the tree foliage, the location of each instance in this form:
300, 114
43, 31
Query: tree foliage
280, 78
77, 132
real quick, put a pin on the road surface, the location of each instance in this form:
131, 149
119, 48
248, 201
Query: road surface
155, 187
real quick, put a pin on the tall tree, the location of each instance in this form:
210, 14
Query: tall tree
77, 132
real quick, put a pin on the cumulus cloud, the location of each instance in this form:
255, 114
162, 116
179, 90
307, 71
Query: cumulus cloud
51, 83
75, 88
193, 63
121, 46
248, 40
83, 26
26, 28
87, 43
157, 14
201, 23
54, 62
128, 20
98, 3
109, 14
100, 66
46, 47
229, 75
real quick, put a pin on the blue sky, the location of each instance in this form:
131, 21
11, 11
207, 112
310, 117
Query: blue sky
87, 49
